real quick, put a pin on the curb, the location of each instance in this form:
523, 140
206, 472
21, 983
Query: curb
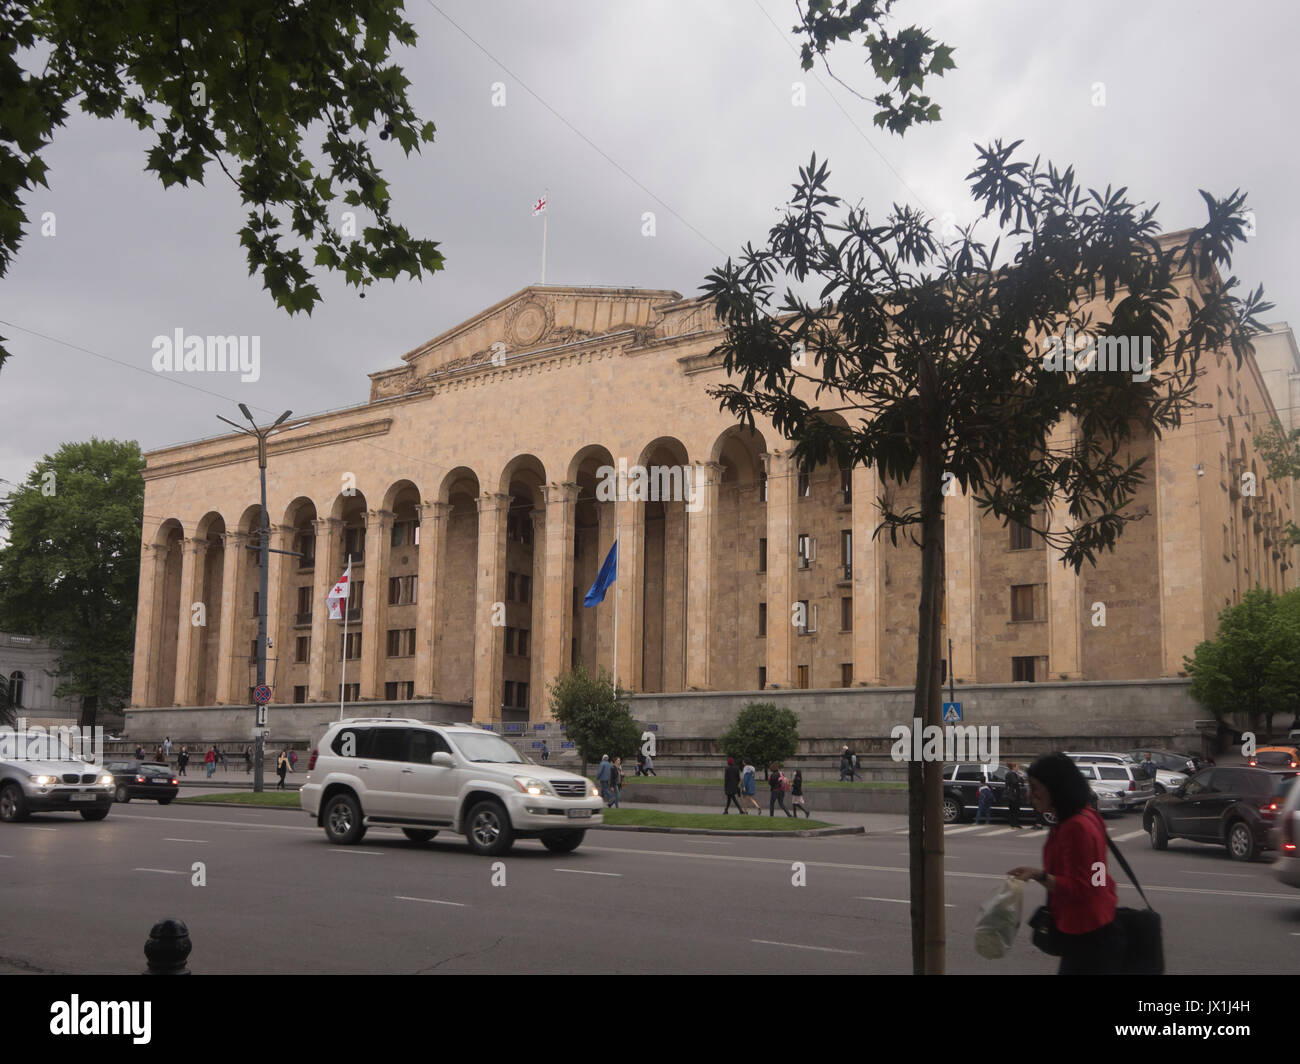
806, 833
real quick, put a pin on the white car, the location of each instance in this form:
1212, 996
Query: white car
1286, 839
424, 778
1142, 786
51, 781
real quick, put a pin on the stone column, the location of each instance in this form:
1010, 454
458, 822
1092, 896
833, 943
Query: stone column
602, 615
629, 591
325, 574
234, 562
148, 625
429, 567
187, 673
782, 493
1064, 608
868, 579
961, 570
701, 531
557, 590
537, 695
374, 610
1178, 549
489, 639
279, 628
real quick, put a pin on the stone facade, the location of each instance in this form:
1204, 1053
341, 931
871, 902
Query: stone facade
468, 494
29, 666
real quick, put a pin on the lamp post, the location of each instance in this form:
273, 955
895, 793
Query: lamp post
264, 548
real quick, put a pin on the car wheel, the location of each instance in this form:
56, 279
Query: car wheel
418, 834
164, 801
1241, 841
13, 806
1159, 834
343, 824
122, 794
951, 809
563, 841
93, 814
488, 829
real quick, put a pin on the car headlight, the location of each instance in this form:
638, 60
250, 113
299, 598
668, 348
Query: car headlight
105, 780
44, 781
532, 785
595, 791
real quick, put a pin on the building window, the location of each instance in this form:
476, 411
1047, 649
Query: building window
351, 692
846, 674
762, 678
399, 691
356, 599
521, 696
521, 642
846, 554
803, 677
509, 697
1021, 537
762, 554
401, 642
805, 484
401, 590
762, 487
762, 618
525, 588
252, 650
846, 614
257, 602
406, 534
1022, 602
510, 587
510, 640
354, 543
809, 614
943, 670
846, 486
807, 550
352, 650
307, 548
1022, 670
304, 606
17, 681
299, 694
302, 649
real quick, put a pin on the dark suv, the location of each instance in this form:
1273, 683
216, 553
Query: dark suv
1233, 807
961, 784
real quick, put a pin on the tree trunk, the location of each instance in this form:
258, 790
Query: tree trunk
925, 779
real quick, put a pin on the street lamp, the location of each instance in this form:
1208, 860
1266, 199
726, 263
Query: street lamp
264, 548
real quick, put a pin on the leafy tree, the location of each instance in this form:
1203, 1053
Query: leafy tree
1281, 453
596, 717
8, 711
762, 733
1252, 664
240, 85
928, 347
70, 572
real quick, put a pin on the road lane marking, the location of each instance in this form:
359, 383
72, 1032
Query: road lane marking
1129, 835
431, 901
796, 945
368, 853
896, 901
161, 871
946, 853
584, 872
1000, 831
1230, 875
217, 823
185, 840
962, 831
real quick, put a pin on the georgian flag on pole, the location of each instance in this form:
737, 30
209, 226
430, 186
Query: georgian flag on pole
339, 594
540, 206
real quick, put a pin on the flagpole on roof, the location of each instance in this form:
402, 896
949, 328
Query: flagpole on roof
545, 218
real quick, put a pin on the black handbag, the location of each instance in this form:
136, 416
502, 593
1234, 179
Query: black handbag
1144, 951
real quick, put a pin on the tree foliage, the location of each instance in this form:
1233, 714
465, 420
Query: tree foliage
762, 732
596, 718
1252, 664
70, 571
239, 85
8, 711
1281, 453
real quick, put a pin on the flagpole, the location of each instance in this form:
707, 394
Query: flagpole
616, 595
343, 675
546, 214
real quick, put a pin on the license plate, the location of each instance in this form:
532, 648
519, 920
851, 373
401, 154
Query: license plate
84, 797
577, 814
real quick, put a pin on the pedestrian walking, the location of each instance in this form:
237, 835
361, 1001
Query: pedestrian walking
210, 759
248, 760
139, 752
1015, 793
1149, 768
749, 787
293, 760
167, 747
796, 795
846, 766
221, 757
159, 756
985, 810
640, 763
853, 767
546, 751
616, 780
1080, 891
602, 777
731, 787
778, 785
648, 765
282, 767
182, 759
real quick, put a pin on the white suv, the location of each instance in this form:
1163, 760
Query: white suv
423, 778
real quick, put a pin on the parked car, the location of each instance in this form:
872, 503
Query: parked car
1141, 786
1275, 757
60, 782
1107, 794
1172, 769
961, 784
424, 778
1234, 807
1285, 838
143, 779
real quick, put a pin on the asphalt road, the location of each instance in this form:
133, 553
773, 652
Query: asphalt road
80, 898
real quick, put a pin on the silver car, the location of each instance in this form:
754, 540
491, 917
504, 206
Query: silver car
1107, 792
54, 780
1286, 839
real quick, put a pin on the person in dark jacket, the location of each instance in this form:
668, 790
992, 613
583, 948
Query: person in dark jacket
182, 759
1080, 890
846, 766
775, 781
731, 786
1015, 792
796, 795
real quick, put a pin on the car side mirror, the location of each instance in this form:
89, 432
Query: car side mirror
442, 759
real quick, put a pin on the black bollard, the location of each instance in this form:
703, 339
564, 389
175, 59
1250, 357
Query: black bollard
168, 948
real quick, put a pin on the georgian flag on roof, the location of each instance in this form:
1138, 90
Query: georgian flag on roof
339, 594
539, 207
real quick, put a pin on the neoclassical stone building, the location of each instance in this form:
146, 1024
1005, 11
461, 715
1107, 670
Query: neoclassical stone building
466, 492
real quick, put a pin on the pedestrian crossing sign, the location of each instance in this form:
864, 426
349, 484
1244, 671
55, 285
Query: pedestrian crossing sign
952, 712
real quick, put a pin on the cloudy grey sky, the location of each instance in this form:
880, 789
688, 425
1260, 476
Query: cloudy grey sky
693, 103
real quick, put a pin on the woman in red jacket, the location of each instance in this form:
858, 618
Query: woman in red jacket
1080, 890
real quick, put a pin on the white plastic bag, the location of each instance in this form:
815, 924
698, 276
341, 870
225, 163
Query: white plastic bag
999, 920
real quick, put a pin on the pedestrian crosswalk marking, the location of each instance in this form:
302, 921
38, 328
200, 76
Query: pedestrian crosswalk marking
1129, 835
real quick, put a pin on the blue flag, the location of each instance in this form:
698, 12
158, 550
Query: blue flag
604, 578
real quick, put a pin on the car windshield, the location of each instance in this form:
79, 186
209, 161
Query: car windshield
36, 746
486, 747
1282, 786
